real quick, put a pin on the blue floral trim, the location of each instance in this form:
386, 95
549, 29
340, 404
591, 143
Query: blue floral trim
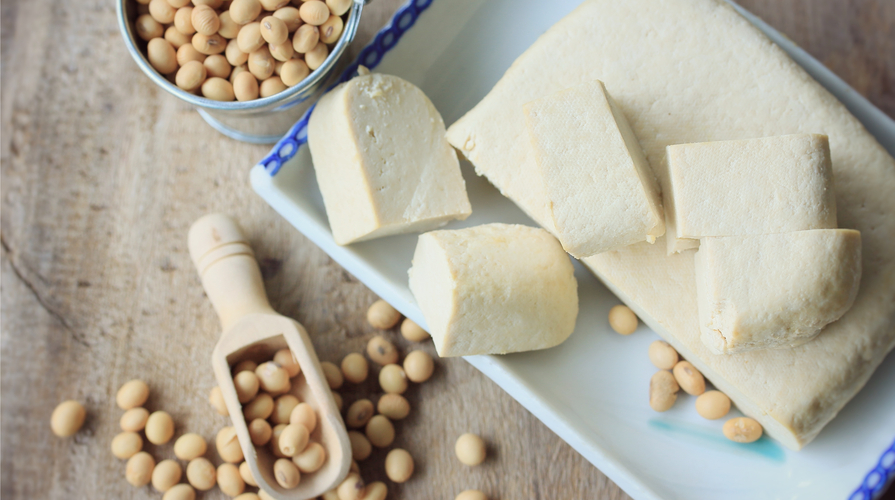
370, 56
876, 480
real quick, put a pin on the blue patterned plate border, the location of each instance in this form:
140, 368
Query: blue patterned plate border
874, 483
369, 56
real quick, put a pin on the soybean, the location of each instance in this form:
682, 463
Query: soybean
247, 364
245, 472
393, 406
418, 366
286, 473
187, 53
282, 52
294, 71
180, 492
245, 383
166, 474
290, 16
249, 38
139, 469
742, 430
351, 488
382, 351
236, 57
282, 408
662, 355
314, 58
305, 39
712, 405
331, 30
689, 378
359, 413
148, 28
338, 7
286, 359
303, 414
311, 459
271, 86
209, 44
218, 89
260, 432
662, 391
67, 418
244, 11
261, 64
161, 55
274, 30
245, 86
132, 394
355, 368
294, 439
398, 465
381, 314
176, 38
201, 474
159, 427
228, 445
623, 320
471, 495
375, 491
413, 332
126, 444
229, 480
205, 20
161, 11
217, 65
392, 379
380, 431
183, 20
360, 446
190, 446
275, 440
134, 420
229, 29
333, 374
470, 449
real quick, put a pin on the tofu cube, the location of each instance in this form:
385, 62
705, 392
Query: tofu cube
382, 161
775, 290
753, 186
601, 191
494, 289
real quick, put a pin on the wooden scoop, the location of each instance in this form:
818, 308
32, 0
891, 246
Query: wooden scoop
253, 330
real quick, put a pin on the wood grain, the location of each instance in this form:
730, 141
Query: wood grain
102, 174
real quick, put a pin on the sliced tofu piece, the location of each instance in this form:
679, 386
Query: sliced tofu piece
775, 290
707, 74
601, 193
753, 186
382, 161
494, 289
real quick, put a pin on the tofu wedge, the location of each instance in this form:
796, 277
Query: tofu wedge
601, 192
752, 186
776, 290
382, 162
494, 289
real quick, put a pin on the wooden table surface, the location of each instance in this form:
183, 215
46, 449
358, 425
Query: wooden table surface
102, 175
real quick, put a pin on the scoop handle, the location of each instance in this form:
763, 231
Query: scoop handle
228, 269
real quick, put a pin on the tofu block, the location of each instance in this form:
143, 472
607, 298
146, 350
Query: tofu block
382, 161
494, 289
753, 186
601, 193
685, 71
775, 290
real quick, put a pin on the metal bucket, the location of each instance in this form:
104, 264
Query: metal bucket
261, 121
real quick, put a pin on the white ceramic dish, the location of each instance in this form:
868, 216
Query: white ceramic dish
591, 389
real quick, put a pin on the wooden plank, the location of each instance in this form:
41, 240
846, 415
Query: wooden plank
102, 174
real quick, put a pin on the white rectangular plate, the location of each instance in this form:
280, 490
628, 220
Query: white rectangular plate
591, 390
